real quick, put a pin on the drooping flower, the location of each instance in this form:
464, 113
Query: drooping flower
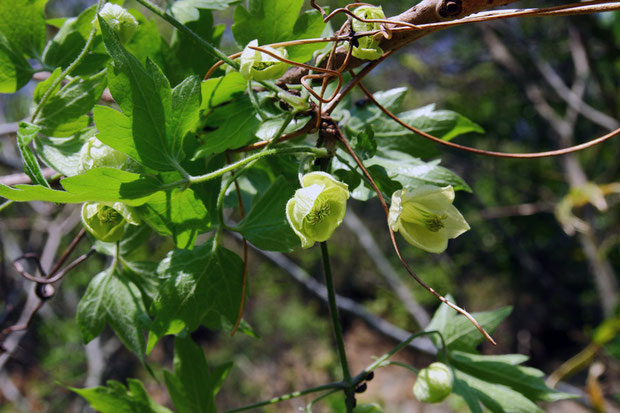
426, 217
368, 48
434, 383
96, 154
256, 65
106, 220
318, 208
120, 20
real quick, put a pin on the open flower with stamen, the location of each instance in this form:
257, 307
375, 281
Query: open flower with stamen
106, 220
318, 208
426, 217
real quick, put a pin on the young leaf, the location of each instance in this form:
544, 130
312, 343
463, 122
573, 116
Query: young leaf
111, 298
70, 104
178, 214
26, 133
115, 398
271, 21
95, 185
364, 143
265, 225
23, 24
198, 281
15, 71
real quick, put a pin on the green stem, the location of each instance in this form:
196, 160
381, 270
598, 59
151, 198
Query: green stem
404, 365
183, 28
6, 205
287, 397
318, 152
333, 312
64, 73
318, 399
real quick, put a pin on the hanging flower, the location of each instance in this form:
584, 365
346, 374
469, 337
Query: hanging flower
434, 383
256, 65
106, 221
426, 217
318, 208
368, 48
120, 20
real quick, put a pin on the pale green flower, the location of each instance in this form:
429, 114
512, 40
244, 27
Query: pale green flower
96, 154
120, 20
106, 220
426, 217
368, 48
434, 383
318, 208
256, 65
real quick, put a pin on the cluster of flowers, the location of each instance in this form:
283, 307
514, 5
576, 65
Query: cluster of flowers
424, 216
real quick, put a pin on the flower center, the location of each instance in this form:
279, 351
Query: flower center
317, 215
432, 222
109, 215
262, 65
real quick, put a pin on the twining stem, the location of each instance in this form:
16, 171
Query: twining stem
288, 396
333, 312
183, 28
64, 73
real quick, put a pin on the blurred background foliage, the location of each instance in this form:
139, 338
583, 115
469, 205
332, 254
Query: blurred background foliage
563, 284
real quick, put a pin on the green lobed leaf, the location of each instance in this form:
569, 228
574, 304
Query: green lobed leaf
144, 96
364, 143
193, 386
271, 21
234, 125
458, 332
69, 41
23, 25
26, 133
181, 57
218, 90
15, 71
444, 124
198, 281
185, 109
95, 185
177, 213
495, 397
504, 370
115, 398
111, 298
265, 225
70, 104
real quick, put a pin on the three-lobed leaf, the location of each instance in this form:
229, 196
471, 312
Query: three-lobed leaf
155, 119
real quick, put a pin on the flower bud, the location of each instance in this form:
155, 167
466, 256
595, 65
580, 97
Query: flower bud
368, 48
318, 208
426, 217
256, 65
106, 220
368, 408
120, 20
96, 154
434, 383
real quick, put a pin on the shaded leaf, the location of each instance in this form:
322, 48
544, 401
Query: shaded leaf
115, 398
26, 133
265, 225
198, 281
